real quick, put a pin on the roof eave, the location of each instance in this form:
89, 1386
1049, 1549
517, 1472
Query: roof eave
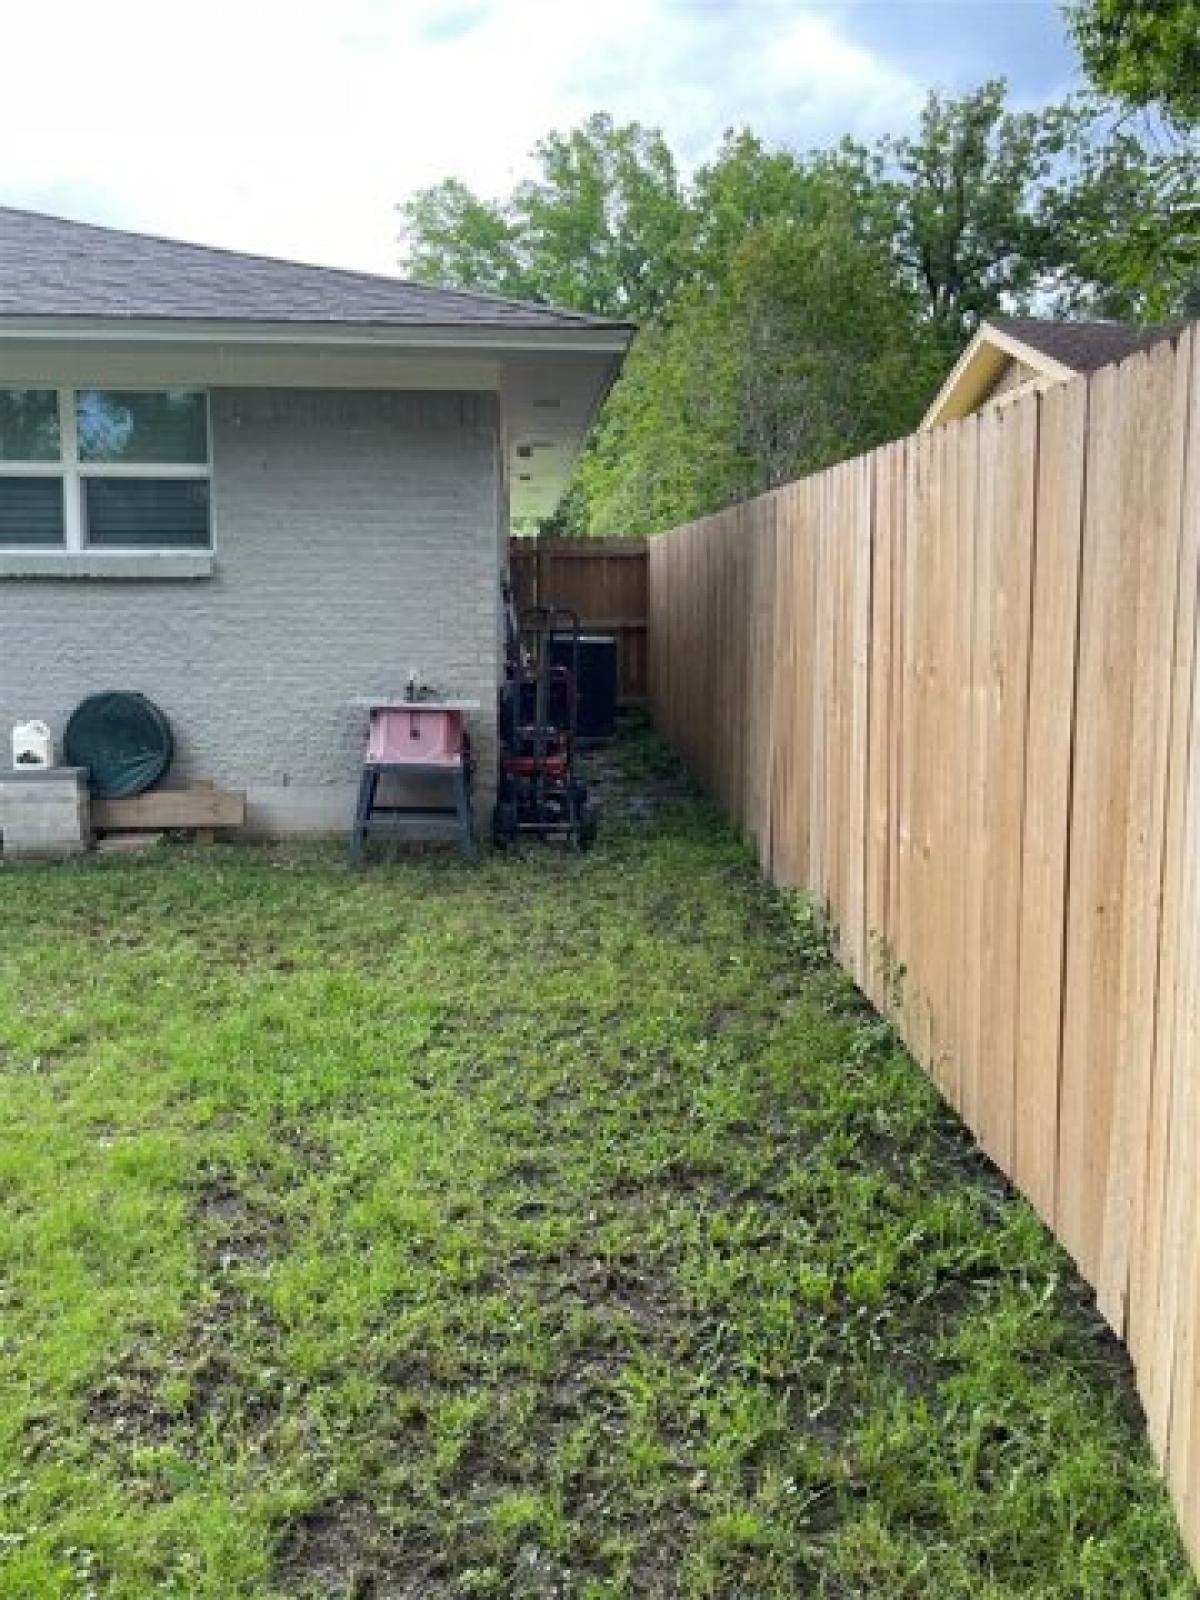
613, 339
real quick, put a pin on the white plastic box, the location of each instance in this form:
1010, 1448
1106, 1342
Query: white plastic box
32, 746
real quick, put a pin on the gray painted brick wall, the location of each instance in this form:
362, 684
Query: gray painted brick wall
357, 537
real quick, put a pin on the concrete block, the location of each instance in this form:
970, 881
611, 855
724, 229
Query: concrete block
45, 812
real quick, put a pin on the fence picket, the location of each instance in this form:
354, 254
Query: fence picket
1152, 490
1058, 531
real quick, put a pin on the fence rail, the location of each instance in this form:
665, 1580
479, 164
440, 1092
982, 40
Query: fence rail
605, 581
950, 688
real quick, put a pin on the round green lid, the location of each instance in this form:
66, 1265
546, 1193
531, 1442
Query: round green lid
122, 738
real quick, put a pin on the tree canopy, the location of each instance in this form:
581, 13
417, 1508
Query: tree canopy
602, 227
797, 308
1143, 52
973, 199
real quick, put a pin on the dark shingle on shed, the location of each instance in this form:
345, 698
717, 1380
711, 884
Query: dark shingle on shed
1083, 346
50, 267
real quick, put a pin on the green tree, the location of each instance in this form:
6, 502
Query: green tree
811, 350
1135, 221
835, 357
605, 225
602, 227
460, 241
1127, 230
743, 187
1145, 53
971, 192
665, 451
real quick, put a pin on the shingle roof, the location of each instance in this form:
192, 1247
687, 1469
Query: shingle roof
50, 267
1083, 346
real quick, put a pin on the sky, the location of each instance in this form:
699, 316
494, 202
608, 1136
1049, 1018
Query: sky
294, 127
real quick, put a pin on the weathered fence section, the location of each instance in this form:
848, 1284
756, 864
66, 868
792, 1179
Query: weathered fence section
604, 580
950, 688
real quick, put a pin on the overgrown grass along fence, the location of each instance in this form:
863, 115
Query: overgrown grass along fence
950, 688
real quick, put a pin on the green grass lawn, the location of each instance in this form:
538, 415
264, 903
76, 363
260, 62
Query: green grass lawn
565, 1228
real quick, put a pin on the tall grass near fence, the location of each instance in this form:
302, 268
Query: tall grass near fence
950, 688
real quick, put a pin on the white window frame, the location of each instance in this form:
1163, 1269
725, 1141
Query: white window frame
72, 472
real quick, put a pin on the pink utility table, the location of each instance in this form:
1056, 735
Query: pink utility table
422, 739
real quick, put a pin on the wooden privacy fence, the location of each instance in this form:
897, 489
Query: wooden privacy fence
604, 580
950, 688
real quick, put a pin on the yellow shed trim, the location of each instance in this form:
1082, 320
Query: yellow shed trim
981, 366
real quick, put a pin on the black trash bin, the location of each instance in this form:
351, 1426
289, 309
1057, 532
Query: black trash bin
597, 689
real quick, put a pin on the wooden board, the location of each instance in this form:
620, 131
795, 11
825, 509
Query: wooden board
761, 677
789, 735
197, 807
822, 648
1099, 813
896, 953
1182, 1242
943, 804
959, 712
1165, 1261
1052, 688
860, 492
974, 863
876, 927
1152, 477
907, 941
1009, 712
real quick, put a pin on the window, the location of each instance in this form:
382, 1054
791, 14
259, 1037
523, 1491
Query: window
29, 425
146, 513
138, 426
100, 469
31, 484
31, 511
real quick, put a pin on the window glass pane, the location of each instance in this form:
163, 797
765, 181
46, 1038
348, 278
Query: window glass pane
147, 513
127, 425
31, 511
28, 425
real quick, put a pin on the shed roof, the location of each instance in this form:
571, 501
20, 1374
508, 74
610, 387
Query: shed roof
51, 267
1053, 351
1082, 346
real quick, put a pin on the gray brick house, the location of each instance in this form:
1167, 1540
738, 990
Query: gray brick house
252, 490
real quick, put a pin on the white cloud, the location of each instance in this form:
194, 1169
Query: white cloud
837, 82
294, 126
